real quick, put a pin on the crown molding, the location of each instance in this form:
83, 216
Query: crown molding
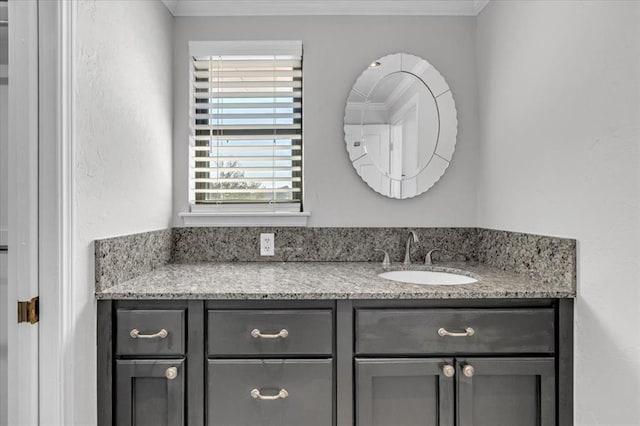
324, 7
479, 5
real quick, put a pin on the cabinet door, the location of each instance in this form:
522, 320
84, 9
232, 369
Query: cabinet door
506, 391
150, 392
404, 392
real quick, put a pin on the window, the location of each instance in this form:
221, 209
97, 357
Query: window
246, 126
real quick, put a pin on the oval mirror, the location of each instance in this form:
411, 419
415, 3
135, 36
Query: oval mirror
400, 125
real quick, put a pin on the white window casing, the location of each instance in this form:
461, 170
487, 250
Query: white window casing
245, 139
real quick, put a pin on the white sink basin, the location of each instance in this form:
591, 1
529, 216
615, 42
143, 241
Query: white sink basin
427, 277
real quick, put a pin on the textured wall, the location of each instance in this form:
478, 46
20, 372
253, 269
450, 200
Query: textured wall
559, 86
123, 119
336, 50
558, 90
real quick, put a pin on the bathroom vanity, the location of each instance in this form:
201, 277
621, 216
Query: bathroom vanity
332, 343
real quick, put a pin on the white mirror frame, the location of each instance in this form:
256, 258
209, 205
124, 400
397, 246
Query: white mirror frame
444, 145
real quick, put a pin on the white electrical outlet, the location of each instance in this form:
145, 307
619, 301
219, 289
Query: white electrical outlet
267, 243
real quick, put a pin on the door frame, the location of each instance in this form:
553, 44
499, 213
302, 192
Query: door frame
56, 41
40, 201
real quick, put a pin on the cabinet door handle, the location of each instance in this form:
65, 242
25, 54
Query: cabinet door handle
255, 394
135, 334
468, 370
171, 373
448, 370
282, 334
468, 332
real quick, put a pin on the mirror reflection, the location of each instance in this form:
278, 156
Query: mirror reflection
393, 125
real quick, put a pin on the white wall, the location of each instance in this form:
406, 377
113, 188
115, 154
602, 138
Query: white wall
336, 51
559, 87
557, 151
123, 127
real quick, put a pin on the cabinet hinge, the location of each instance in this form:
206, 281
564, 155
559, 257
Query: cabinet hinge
29, 311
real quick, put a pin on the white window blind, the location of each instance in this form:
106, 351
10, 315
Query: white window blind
246, 124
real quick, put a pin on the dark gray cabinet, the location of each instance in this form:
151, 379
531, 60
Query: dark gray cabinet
404, 392
432, 363
169, 323
491, 331
336, 363
274, 392
506, 392
487, 392
232, 332
150, 392
150, 362
270, 364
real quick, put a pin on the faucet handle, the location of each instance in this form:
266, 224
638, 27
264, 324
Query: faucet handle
427, 259
385, 262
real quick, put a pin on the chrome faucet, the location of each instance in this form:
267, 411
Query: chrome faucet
385, 261
407, 251
427, 259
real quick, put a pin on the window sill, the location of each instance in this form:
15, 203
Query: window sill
245, 218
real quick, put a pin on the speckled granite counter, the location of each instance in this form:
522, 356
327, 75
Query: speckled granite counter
321, 280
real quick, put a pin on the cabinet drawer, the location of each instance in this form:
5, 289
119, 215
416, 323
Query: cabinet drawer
234, 385
425, 331
150, 339
270, 332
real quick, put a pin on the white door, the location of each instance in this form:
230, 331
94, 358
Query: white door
4, 59
20, 166
4, 385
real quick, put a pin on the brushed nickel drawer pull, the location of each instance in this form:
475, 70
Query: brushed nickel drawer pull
171, 373
283, 394
282, 334
448, 370
442, 332
135, 334
468, 370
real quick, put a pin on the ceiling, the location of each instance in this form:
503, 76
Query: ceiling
325, 7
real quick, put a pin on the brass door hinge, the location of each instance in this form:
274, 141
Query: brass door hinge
29, 311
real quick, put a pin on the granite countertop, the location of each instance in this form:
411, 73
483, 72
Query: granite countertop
322, 280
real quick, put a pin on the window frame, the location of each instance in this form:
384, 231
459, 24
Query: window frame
244, 214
